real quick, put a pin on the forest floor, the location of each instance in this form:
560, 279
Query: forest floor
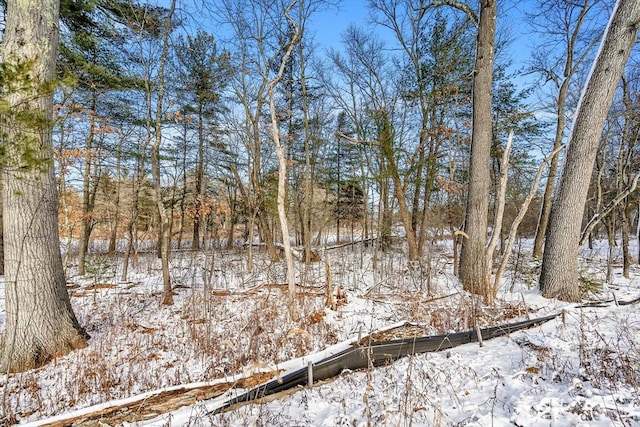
149, 364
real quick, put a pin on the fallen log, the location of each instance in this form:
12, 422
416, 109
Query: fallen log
369, 352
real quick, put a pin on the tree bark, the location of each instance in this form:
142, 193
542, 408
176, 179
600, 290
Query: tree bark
308, 171
545, 210
499, 215
559, 275
638, 235
570, 66
198, 214
113, 238
1, 230
135, 208
522, 211
626, 254
282, 164
473, 269
165, 235
89, 191
40, 323
386, 136
627, 146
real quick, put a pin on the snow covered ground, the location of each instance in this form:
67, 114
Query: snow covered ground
581, 369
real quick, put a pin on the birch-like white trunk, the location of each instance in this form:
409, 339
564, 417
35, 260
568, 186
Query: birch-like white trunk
282, 165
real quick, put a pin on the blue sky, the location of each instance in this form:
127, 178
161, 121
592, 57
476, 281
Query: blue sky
329, 25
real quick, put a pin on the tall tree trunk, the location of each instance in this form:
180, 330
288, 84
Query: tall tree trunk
116, 214
417, 218
282, 164
570, 66
473, 267
40, 323
545, 210
1, 230
198, 214
386, 136
184, 190
255, 199
133, 220
627, 147
165, 236
519, 217
431, 172
610, 227
498, 217
89, 187
624, 237
231, 232
559, 275
67, 224
338, 178
308, 170
266, 235
638, 235
385, 215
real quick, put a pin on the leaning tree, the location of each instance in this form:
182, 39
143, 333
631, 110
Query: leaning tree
559, 275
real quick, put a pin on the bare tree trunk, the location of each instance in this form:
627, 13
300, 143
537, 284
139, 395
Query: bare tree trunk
610, 226
308, 184
385, 216
165, 236
430, 179
386, 136
133, 220
266, 234
473, 269
127, 252
601, 214
89, 191
499, 214
626, 254
638, 235
199, 210
40, 323
282, 164
627, 146
456, 244
1, 230
417, 214
67, 224
559, 275
116, 214
570, 66
513, 231
545, 210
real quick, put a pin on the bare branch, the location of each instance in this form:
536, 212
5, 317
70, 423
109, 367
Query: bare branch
502, 194
604, 212
460, 6
521, 213
356, 140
